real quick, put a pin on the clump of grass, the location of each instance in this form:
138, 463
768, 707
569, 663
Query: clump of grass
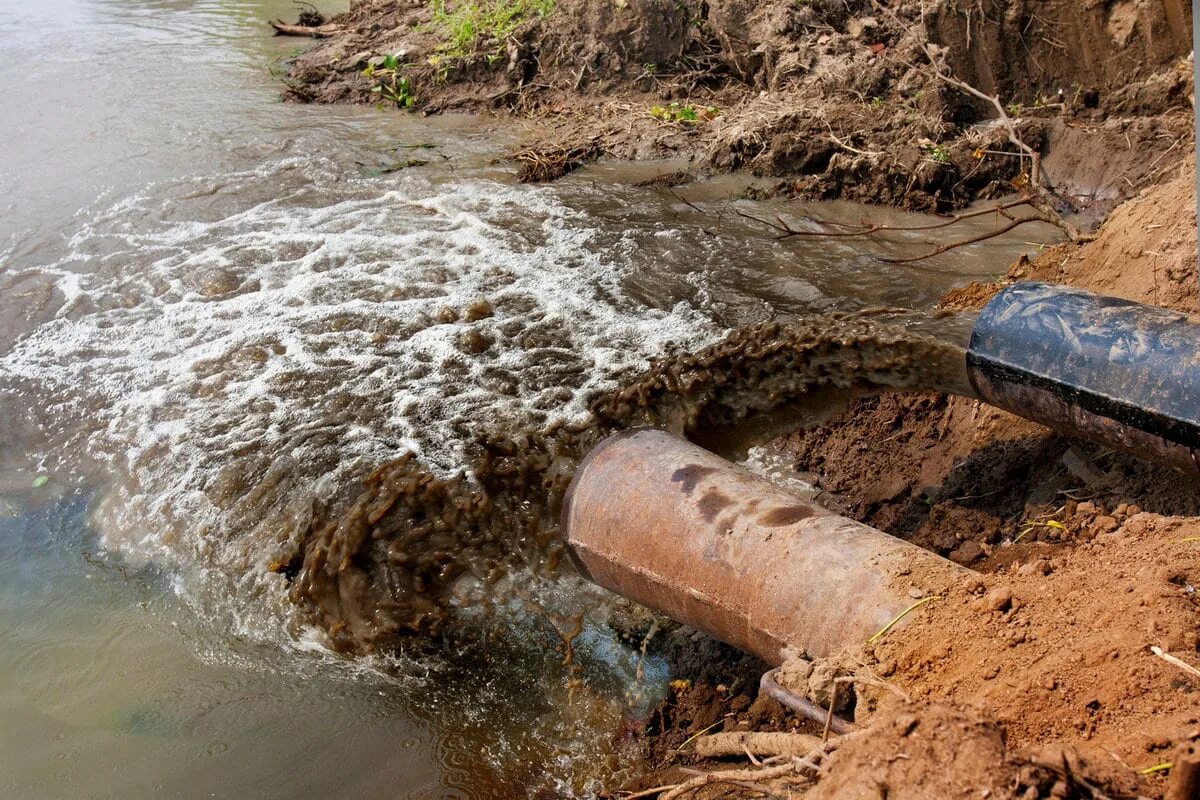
467, 26
390, 85
684, 114
939, 154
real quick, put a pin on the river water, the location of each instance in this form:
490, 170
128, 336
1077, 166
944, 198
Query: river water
218, 309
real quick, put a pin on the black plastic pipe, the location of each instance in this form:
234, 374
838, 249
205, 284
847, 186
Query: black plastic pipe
1113, 371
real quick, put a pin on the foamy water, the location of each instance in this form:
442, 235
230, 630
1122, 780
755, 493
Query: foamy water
290, 345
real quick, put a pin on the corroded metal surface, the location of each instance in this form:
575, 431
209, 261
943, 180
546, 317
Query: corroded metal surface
1110, 370
703, 541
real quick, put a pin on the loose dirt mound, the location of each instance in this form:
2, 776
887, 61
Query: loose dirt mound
1055, 642
943, 751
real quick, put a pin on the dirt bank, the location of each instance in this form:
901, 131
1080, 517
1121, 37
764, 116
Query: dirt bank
838, 98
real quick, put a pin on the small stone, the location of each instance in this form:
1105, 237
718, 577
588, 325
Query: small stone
859, 25
1039, 566
1106, 524
999, 599
907, 723
967, 553
973, 584
1139, 522
1086, 507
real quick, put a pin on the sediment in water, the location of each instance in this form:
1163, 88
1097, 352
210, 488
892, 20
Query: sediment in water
390, 557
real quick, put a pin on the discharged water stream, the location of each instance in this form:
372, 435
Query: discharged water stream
221, 313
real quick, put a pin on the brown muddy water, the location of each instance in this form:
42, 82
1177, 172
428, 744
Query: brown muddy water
220, 314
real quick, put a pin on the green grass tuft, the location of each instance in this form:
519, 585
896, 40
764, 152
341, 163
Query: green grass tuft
467, 25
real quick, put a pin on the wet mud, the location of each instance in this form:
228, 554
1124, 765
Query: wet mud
398, 554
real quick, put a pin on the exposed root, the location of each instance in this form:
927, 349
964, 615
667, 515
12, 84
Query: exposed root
795, 768
1042, 194
1175, 662
753, 743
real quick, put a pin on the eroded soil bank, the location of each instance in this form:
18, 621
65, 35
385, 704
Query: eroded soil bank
1037, 679
837, 98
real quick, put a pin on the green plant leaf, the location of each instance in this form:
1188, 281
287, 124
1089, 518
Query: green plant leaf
40, 481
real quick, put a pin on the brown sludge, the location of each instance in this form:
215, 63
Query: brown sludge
385, 562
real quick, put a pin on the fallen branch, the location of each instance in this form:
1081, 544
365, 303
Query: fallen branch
945, 248
314, 31
787, 231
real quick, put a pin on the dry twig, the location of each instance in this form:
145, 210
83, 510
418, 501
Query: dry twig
1173, 661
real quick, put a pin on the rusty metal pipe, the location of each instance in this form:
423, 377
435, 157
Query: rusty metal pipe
1117, 372
703, 541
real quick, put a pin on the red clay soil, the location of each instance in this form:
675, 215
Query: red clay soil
1084, 569
1036, 678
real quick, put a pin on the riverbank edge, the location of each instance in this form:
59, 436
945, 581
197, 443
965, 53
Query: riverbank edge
927, 107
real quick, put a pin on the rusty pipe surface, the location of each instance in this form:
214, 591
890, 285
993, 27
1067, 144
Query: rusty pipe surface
1117, 372
703, 541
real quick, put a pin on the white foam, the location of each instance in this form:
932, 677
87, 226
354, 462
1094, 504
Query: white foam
293, 337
